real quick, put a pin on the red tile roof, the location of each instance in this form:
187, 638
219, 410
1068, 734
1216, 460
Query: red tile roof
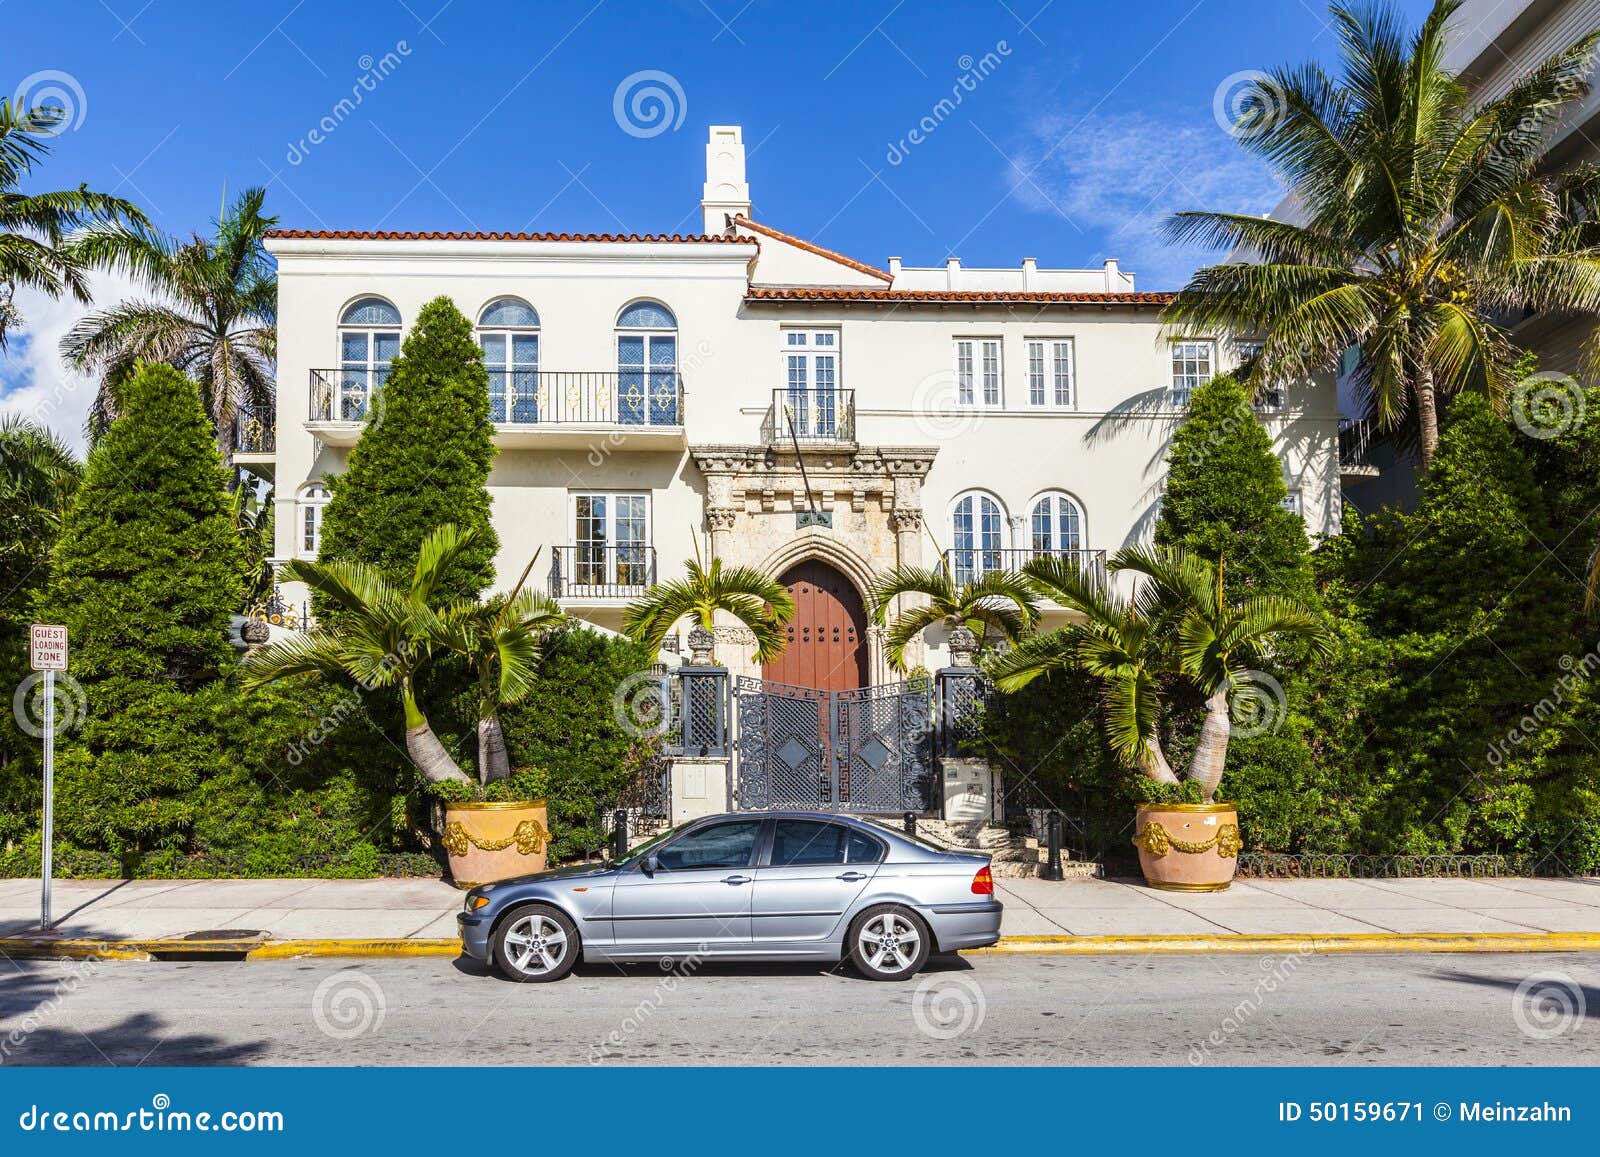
363, 235
799, 243
953, 296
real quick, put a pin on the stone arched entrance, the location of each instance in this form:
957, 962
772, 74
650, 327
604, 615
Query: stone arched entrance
828, 647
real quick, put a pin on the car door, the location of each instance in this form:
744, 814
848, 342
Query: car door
811, 876
698, 897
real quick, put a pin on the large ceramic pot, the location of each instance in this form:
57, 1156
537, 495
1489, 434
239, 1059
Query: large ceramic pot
495, 841
1187, 847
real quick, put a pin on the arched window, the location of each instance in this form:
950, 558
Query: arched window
1055, 525
977, 536
369, 339
647, 365
508, 331
313, 500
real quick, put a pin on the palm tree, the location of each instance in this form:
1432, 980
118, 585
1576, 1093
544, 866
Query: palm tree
35, 226
762, 604
998, 602
1179, 624
1426, 222
213, 314
385, 636
38, 476
502, 637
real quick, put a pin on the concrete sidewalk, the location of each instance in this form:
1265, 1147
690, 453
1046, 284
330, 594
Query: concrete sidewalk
424, 910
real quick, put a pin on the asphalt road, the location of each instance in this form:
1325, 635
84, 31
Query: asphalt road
1159, 1010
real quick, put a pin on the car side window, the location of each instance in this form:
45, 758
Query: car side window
727, 845
797, 843
863, 849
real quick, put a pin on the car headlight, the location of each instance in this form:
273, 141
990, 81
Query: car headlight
475, 901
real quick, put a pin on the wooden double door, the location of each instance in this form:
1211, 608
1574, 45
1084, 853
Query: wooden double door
827, 646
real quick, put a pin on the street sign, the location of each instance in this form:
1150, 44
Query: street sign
47, 652
47, 647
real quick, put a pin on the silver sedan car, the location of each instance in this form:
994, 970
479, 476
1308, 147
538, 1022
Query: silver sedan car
769, 886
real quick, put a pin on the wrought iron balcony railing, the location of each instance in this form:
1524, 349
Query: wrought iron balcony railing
624, 397
967, 564
601, 571
254, 433
811, 416
345, 395
1356, 436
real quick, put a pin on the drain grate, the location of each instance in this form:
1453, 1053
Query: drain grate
219, 944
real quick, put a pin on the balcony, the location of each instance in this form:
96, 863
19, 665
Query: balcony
967, 564
592, 572
811, 417
554, 409
253, 445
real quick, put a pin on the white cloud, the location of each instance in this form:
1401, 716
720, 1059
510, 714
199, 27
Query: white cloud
1120, 175
34, 380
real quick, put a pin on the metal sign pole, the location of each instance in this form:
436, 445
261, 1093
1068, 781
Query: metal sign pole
49, 796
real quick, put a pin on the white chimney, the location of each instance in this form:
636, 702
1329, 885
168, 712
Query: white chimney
727, 194
1030, 273
894, 269
952, 273
1113, 276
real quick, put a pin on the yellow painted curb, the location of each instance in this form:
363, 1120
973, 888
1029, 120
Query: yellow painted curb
1297, 943
31, 948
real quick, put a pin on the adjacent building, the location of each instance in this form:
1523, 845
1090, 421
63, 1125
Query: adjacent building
781, 405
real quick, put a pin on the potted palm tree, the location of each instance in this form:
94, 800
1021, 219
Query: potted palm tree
1179, 625
762, 604
999, 604
385, 635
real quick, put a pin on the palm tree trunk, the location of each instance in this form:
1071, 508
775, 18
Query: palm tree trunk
1154, 761
494, 760
1427, 412
423, 746
1211, 751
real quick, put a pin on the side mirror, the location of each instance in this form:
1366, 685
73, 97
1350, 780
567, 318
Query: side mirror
651, 865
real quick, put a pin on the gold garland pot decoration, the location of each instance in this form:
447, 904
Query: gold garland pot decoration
1156, 840
530, 838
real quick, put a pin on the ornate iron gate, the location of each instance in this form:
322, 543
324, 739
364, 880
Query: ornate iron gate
868, 750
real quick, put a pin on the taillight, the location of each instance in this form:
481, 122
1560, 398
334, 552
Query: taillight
983, 882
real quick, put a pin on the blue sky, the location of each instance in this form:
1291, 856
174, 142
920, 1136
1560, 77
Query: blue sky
1089, 123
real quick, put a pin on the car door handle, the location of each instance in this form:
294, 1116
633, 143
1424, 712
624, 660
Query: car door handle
852, 877
736, 879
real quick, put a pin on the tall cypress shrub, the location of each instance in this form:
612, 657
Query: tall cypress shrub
424, 459
146, 574
1225, 491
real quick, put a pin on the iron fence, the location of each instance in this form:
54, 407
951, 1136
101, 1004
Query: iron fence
811, 415
598, 570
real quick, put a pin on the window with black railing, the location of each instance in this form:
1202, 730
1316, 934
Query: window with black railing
968, 564
601, 570
811, 415
254, 433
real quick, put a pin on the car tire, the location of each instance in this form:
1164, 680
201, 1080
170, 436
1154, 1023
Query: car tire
535, 944
888, 942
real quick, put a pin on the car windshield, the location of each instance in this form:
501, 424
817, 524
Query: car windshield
647, 847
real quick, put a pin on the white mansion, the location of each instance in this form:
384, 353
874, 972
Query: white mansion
794, 409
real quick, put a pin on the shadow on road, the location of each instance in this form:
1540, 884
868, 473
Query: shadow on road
1537, 984
686, 966
37, 1028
